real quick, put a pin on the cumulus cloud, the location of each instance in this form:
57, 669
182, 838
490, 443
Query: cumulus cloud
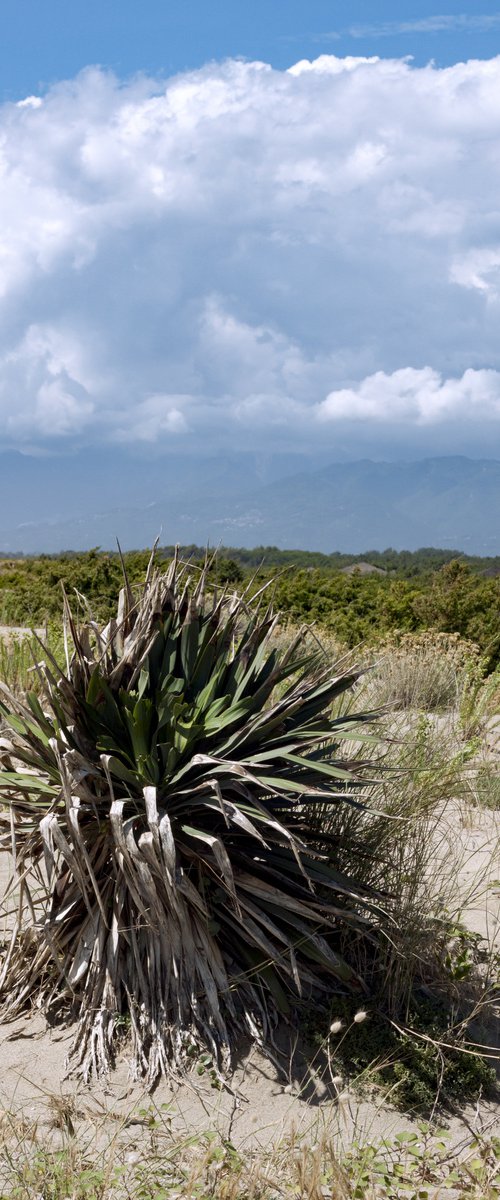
421, 397
153, 418
246, 256
45, 386
30, 102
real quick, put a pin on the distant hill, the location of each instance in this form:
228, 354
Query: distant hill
443, 502
48, 505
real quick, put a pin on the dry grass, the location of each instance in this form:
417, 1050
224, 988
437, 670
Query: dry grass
139, 1157
411, 828
17, 656
20, 650
424, 671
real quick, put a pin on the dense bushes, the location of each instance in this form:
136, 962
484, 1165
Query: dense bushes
367, 608
355, 608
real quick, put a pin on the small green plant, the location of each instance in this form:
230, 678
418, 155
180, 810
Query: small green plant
421, 1165
421, 1067
55, 1175
469, 955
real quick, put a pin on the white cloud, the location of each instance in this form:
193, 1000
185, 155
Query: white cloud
441, 23
204, 261
30, 102
418, 397
154, 417
327, 64
479, 268
60, 411
45, 387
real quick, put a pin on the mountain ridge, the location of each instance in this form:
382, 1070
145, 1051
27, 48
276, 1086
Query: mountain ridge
248, 499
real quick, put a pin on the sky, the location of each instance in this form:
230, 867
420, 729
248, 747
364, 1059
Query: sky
44, 41
241, 226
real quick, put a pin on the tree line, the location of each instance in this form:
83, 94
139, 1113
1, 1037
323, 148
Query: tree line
426, 589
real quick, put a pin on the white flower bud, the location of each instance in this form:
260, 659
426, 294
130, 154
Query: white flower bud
336, 1026
360, 1016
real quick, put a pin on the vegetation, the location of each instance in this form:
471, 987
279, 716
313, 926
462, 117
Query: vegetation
424, 591
429, 672
417, 1164
170, 797
165, 772
361, 609
377, 1054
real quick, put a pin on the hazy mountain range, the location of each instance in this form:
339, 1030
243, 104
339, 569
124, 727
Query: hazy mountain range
291, 501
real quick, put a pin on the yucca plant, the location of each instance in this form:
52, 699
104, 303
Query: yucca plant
163, 799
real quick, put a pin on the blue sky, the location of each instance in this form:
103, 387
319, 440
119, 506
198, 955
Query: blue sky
46, 40
250, 225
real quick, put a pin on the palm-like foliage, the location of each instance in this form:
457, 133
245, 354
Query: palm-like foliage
163, 803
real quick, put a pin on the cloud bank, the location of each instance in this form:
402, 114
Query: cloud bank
243, 256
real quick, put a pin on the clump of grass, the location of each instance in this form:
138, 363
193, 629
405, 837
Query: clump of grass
424, 671
403, 824
479, 699
486, 786
430, 978
17, 658
426, 772
20, 651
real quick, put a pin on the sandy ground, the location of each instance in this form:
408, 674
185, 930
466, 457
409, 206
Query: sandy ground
13, 633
